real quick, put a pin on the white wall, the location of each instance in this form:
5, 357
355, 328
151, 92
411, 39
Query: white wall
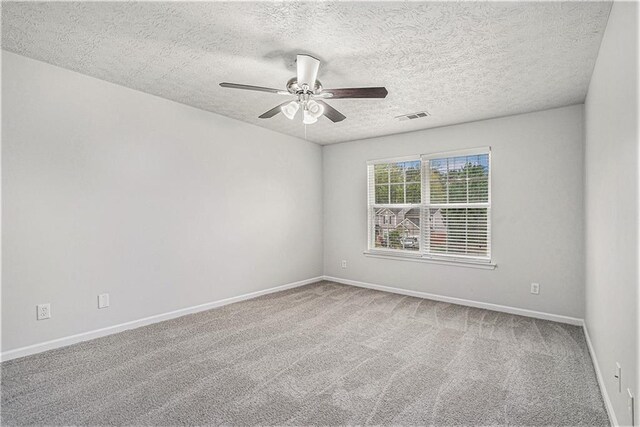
537, 201
611, 161
163, 206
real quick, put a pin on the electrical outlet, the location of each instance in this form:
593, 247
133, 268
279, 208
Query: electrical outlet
103, 300
535, 288
618, 376
43, 311
344, 263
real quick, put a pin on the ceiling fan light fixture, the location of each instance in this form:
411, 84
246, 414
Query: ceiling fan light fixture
315, 109
309, 118
312, 110
290, 109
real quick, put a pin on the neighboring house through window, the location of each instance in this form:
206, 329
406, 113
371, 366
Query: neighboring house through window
432, 206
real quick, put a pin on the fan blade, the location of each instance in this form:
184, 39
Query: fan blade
356, 92
331, 113
256, 88
275, 110
307, 70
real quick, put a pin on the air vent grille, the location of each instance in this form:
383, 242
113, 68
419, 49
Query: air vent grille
413, 116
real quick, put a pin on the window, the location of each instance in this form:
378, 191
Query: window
434, 206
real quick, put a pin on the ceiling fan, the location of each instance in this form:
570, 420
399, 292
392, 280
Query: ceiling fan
310, 94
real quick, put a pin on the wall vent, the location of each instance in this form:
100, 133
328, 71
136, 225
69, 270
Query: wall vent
413, 116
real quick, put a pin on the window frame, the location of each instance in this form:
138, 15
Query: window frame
372, 206
425, 205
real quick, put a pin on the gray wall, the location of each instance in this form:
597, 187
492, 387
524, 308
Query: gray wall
611, 113
163, 206
537, 201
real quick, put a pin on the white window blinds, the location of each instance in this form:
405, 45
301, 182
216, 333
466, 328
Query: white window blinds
433, 206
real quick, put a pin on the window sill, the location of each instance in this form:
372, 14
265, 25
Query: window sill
440, 261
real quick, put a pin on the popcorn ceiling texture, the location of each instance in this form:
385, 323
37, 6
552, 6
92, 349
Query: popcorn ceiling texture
459, 61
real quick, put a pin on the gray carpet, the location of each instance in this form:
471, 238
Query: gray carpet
322, 354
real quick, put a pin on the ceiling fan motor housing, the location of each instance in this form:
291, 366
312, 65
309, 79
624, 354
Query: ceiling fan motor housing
294, 88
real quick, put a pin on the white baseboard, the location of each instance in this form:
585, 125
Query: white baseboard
85, 336
460, 301
603, 390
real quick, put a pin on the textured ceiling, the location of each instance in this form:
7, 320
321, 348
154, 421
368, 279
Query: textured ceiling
459, 61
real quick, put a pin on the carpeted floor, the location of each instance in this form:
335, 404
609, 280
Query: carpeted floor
322, 354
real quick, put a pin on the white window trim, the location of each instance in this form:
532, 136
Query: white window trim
394, 160
421, 256
406, 256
